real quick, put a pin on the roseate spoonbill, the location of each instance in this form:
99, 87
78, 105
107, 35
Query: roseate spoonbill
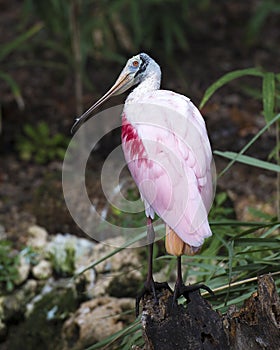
169, 156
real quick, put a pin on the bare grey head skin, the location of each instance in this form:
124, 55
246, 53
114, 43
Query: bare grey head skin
138, 69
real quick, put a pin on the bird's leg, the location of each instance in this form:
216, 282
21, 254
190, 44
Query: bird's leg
181, 289
150, 283
179, 281
150, 286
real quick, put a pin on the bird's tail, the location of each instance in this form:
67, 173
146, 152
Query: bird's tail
176, 246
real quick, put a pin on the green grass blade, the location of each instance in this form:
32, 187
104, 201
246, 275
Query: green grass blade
6, 49
274, 242
268, 92
249, 144
110, 254
226, 79
236, 223
103, 344
14, 88
271, 230
117, 250
249, 160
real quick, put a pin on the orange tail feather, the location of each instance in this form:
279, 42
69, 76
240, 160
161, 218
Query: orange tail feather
176, 246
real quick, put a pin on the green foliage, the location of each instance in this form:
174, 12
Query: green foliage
236, 157
127, 337
249, 160
222, 208
245, 250
5, 50
39, 145
121, 218
270, 96
233, 257
124, 24
168, 24
113, 29
9, 262
238, 251
55, 15
229, 263
270, 88
227, 78
30, 255
261, 14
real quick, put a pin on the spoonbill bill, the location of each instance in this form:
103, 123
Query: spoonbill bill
167, 150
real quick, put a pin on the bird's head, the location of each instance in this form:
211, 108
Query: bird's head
136, 70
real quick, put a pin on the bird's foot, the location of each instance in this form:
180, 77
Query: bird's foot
150, 287
182, 290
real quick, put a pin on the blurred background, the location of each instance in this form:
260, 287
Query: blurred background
59, 56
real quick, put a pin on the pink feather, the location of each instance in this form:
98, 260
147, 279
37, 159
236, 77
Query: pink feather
167, 150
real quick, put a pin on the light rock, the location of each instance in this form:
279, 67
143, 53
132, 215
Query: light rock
165, 274
13, 306
61, 291
42, 270
23, 270
125, 284
37, 237
125, 258
70, 255
120, 285
101, 286
40, 326
61, 245
119, 275
95, 320
86, 283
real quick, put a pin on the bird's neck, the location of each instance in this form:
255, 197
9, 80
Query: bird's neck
151, 83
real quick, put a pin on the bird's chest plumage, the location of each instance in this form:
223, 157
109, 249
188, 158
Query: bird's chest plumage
131, 141
133, 147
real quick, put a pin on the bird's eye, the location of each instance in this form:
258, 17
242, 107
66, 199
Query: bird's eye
135, 63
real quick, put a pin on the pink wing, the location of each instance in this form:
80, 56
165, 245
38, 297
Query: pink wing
168, 153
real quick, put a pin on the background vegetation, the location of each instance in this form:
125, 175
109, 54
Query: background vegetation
71, 50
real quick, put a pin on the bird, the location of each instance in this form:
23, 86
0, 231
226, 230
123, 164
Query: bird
167, 150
